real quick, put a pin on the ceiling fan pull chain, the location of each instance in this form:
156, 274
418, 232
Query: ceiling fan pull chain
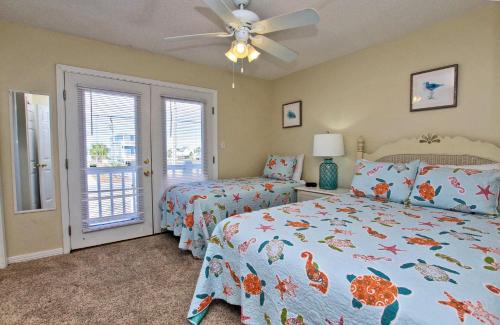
242, 70
233, 76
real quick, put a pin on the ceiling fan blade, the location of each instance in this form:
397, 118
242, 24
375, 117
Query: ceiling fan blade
291, 20
274, 48
222, 10
204, 35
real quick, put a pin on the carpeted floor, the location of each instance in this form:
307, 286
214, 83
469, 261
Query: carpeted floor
142, 281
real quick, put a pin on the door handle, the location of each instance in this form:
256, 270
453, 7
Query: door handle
147, 172
146, 161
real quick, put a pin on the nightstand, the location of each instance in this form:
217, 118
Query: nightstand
311, 193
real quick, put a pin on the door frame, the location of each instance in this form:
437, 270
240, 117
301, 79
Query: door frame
61, 69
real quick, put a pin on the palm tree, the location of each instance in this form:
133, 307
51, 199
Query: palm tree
99, 152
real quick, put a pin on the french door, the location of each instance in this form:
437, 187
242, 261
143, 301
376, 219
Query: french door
126, 143
184, 139
109, 156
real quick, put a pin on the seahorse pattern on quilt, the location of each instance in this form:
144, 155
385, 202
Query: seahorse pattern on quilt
353, 260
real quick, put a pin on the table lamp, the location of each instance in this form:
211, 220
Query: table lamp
328, 145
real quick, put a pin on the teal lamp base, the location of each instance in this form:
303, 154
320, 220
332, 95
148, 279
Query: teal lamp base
328, 175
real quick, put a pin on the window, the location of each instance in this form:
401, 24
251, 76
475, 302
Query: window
184, 136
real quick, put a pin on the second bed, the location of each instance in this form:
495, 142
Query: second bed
192, 210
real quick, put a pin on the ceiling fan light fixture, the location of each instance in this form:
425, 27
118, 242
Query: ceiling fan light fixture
252, 53
230, 55
239, 49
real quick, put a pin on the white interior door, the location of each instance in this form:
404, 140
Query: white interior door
45, 158
184, 139
31, 139
109, 155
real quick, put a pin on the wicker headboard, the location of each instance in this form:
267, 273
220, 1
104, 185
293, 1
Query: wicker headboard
434, 149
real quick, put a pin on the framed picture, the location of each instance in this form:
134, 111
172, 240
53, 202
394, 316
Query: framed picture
434, 89
292, 114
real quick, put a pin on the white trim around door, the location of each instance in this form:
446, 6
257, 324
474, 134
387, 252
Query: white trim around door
61, 71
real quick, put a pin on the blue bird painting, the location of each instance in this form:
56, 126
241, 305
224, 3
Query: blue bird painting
431, 87
291, 115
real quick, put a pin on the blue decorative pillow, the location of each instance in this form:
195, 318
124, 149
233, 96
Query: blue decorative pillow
384, 180
466, 190
280, 167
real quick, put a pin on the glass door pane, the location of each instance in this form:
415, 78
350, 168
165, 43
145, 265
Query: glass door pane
111, 190
184, 141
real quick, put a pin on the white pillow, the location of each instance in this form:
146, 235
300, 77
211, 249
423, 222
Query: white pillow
297, 173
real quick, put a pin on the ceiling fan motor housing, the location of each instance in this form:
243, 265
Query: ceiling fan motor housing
238, 3
242, 34
246, 16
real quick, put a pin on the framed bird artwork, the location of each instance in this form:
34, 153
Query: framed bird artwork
434, 89
292, 114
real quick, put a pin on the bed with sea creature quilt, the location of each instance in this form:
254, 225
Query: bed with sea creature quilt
192, 210
417, 241
352, 260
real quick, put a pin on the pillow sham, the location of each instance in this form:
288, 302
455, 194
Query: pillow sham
455, 188
495, 166
280, 167
389, 181
297, 172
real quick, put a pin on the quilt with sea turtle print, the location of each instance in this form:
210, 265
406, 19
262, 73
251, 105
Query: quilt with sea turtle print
191, 210
353, 260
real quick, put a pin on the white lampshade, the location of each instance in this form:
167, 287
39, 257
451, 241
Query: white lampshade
328, 145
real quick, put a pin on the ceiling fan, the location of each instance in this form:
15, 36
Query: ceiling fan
248, 30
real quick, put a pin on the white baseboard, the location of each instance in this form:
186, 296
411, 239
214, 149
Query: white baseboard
35, 256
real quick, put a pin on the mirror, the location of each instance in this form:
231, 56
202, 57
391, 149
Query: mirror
31, 152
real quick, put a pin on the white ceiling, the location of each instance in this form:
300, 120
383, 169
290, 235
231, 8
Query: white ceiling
346, 25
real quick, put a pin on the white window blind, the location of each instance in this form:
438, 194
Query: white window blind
112, 192
184, 141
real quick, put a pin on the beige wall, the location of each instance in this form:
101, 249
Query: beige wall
367, 93
28, 61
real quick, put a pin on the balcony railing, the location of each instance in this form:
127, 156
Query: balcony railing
113, 194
